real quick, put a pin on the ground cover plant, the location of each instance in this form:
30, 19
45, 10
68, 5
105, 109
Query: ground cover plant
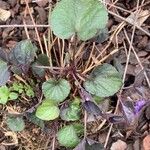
69, 82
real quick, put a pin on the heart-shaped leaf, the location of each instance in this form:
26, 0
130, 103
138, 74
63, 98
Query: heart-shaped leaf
15, 123
82, 17
104, 81
47, 110
56, 90
67, 136
4, 73
22, 55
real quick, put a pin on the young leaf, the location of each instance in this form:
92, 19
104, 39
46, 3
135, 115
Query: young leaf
22, 55
104, 81
4, 73
4, 94
15, 123
71, 113
56, 90
29, 91
67, 136
13, 96
47, 110
17, 87
82, 17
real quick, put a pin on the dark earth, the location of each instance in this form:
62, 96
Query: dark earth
135, 136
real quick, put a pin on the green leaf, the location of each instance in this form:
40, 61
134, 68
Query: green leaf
72, 113
13, 96
43, 60
82, 17
48, 110
56, 90
104, 81
67, 136
15, 123
29, 91
4, 73
4, 94
22, 55
17, 87
98, 99
79, 128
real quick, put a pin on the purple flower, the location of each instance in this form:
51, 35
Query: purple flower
139, 105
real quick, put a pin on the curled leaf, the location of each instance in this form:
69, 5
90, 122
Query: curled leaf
92, 108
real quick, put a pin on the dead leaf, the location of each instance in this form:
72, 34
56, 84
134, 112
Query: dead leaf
4, 14
142, 17
146, 143
118, 145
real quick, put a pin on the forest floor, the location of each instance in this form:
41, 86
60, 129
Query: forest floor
126, 46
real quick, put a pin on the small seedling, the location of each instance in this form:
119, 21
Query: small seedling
7, 95
24, 89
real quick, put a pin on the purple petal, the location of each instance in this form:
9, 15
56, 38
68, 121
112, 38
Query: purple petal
139, 105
